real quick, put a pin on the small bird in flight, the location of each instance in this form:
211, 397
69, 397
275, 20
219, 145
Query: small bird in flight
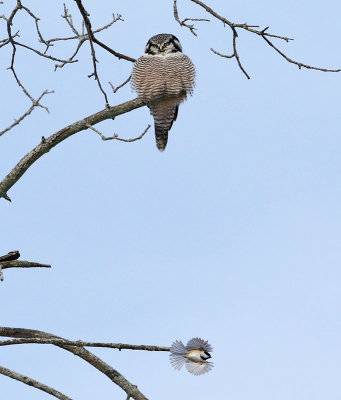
194, 355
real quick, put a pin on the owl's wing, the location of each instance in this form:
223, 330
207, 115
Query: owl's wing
199, 368
198, 343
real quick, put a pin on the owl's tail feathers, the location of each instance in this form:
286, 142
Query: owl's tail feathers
164, 115
161, 136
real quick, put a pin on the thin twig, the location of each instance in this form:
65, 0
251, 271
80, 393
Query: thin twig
81, 343
43, 54
115, 136
183, 22
28, 112
299, 64
32, 382
87, 23
119, 86
249, 28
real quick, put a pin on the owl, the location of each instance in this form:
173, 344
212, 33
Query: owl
163, 70
194, 355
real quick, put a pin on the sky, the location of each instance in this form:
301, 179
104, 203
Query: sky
232, 234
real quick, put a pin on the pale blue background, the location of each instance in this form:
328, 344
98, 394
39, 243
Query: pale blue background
232, 234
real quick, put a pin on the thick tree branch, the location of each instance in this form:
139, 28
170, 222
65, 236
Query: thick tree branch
32, 382
19, 264
95, 361
12, 255
48, 143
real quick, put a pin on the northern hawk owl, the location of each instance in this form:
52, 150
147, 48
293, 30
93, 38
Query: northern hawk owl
163, 70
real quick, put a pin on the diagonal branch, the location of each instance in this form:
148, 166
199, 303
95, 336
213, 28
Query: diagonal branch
111, 373
48, 143
32, 382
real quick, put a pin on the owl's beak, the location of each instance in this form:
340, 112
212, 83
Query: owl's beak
160, 47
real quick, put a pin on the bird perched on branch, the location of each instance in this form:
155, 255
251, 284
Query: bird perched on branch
163, 71
194, 355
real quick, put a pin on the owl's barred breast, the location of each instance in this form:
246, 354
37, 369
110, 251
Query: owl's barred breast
158, 75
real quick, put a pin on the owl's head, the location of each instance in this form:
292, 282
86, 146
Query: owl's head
164, 43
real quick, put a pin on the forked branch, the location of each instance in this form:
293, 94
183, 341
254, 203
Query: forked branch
255, 29
117, 378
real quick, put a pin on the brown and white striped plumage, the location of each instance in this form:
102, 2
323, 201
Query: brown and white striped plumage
163, 70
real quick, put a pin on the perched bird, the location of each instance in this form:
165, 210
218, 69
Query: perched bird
194, 355
162, 71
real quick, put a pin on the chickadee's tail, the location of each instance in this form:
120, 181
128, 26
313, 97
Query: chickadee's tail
178, 354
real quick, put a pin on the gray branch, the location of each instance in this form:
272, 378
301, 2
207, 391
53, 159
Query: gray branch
255, 29
20, 264
48, 143
81, 343
32, 382
95, 361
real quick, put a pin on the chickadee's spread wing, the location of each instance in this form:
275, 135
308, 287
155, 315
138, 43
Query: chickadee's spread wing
198, 368
197, 343
178, 348
177, 361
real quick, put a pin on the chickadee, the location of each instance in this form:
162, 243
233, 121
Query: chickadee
195, 355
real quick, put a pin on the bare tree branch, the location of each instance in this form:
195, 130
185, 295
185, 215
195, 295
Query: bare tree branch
183, 22
115, 136
95, 361
32, 382
28, 112
115, 89
81, 343
93, 38
12, 255
10, 40
48, 143
87, 22
250, 28
20, 264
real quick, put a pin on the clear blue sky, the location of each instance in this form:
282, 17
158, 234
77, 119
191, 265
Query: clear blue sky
232, 234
